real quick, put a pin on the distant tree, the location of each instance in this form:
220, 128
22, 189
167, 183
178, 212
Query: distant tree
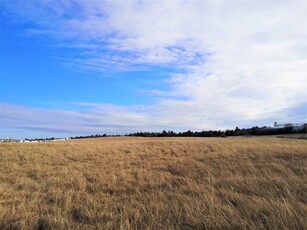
287, 125
164, 133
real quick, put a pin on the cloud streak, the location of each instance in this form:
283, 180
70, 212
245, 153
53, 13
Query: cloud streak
239, 62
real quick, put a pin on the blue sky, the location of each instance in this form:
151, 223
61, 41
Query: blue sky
86, 67
38, 76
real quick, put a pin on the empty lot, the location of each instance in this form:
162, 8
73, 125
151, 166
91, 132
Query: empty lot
154, 183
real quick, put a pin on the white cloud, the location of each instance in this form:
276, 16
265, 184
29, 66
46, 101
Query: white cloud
92, 119
242, 62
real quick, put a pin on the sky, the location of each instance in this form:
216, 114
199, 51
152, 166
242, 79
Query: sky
72, 67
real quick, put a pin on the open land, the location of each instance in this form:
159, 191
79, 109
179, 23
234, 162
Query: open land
155, 183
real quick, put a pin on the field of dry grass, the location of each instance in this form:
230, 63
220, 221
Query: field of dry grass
154, 183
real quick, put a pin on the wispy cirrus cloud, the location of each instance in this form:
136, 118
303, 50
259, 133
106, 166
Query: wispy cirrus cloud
237, 62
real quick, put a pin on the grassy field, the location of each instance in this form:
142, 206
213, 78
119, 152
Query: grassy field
154, 183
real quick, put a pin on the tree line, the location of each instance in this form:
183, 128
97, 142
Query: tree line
225, 133
213, 133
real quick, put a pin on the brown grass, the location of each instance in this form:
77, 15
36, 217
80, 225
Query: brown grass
153, 183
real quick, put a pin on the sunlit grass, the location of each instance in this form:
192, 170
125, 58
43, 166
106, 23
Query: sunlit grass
154, 183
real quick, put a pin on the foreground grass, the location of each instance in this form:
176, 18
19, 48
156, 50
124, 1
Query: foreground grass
152, 183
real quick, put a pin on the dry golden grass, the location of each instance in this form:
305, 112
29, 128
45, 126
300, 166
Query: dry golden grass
153, 183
